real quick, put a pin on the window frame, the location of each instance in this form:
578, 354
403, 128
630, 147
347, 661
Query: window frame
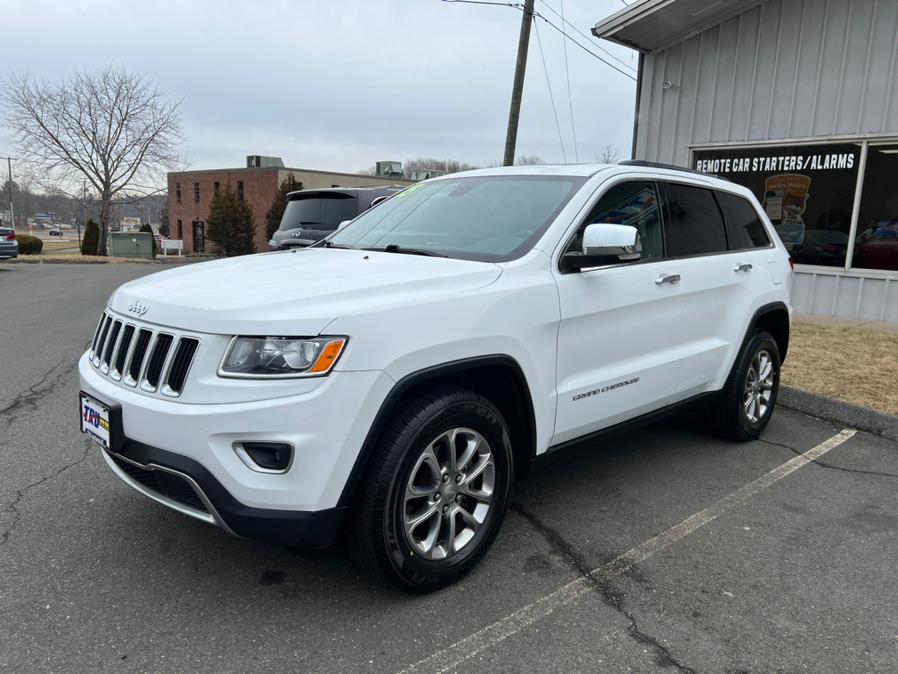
588, 208
770, 243
726, 237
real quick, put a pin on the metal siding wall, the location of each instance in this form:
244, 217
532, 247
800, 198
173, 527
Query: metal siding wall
785, 69
798, 69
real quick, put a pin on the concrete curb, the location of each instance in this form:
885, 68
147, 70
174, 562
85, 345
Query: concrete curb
841, 412
38, 260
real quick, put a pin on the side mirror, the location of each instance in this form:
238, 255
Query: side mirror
605, 243
343, 224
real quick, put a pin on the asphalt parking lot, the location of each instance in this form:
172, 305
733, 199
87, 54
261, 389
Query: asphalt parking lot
741, 558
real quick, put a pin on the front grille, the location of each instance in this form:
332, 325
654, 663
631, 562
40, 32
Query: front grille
141, 356
168, 485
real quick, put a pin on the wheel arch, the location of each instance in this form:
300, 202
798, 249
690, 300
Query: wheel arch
497, 377
774, 318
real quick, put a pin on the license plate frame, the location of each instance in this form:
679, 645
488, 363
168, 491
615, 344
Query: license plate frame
100, 421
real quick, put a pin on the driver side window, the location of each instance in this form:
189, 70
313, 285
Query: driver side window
633, 203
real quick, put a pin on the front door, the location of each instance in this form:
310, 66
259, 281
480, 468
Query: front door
622, 327
199, 237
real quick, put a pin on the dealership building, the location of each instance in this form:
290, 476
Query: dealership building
796, 100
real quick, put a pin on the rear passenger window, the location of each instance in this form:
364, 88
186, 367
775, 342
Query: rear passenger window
695, 227
744, 228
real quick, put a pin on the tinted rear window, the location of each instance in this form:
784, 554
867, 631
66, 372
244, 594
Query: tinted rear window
744, 228
319, 211
695, 227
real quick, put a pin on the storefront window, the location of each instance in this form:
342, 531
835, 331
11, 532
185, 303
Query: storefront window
876, 244
807, 192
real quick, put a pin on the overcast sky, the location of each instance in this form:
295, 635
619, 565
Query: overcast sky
338, 84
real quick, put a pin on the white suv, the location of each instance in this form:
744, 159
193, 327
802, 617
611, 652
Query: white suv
392, 380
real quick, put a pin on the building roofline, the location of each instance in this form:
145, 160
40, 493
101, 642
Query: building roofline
631, 26
258, 169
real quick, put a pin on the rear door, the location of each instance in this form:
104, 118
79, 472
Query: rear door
621, 327
717, 285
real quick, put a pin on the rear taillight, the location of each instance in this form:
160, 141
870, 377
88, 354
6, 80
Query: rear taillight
791, 264
11, 236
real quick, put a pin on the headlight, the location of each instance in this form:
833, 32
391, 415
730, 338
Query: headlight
261, 357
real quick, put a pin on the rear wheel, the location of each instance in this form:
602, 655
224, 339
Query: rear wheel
436, 492
746, 403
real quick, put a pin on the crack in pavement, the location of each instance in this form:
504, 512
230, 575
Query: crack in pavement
28, 400
34, 393
20, 493
830, 466
602, 587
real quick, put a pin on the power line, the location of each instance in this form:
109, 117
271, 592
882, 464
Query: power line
586, 49
484, 2
570, 103
549, 85
590, 38
519, 6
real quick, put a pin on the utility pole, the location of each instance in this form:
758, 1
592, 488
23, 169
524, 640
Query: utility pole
518, 87
12, 210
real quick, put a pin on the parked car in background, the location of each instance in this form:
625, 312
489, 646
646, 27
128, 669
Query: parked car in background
9, 247
394, 378
55, 232
313, 214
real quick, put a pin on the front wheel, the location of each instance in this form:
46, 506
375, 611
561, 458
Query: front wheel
436, 492
746, 403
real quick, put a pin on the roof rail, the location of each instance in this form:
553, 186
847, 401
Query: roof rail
669, 167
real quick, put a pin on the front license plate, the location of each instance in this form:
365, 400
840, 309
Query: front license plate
95, 420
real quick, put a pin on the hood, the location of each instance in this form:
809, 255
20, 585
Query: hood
293, 293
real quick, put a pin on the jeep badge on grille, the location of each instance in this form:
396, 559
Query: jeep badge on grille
138, 308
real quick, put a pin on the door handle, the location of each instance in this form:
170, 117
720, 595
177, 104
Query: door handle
743, 266
667, 278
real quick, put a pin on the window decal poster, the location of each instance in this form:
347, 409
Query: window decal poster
807, 192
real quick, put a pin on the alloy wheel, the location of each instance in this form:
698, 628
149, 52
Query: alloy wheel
449, 493
758, 386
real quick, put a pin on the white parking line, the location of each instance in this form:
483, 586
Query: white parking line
463, 650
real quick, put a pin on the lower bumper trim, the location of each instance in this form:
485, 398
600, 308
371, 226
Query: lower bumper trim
290, 528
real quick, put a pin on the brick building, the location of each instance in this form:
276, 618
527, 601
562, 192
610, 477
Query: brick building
190, 194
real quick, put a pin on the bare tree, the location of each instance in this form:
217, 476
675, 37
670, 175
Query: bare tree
529, 160
111, 127
438, 166
609, 155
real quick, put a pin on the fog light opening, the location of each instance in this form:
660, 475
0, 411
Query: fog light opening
265, 457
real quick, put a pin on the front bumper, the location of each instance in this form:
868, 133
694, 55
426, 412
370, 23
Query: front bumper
326, 425
186, 486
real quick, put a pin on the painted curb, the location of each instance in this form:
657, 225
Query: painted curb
841, 412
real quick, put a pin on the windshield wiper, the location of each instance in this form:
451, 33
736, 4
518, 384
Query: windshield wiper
396, 248
327, 243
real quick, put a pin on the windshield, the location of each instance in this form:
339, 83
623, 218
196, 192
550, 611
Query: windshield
318, 210
490, 218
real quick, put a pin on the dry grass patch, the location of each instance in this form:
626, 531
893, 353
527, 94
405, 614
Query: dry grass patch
78, 257
851, 364
59, 245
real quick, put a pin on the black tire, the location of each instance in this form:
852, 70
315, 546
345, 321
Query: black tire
376, 532
730, 413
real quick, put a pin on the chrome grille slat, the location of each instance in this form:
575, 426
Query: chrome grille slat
166, 365
154, 361
134, 368
93, 346
101, 343
122, 352
180, 366
109, 347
